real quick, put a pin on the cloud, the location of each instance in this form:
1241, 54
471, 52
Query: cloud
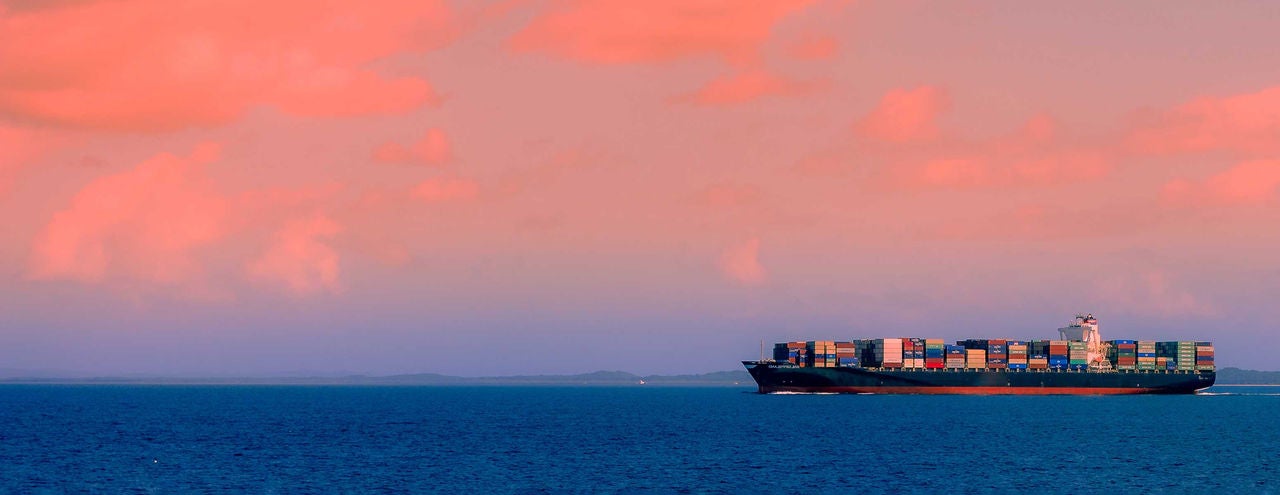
1246, 123
1032, 156
18, 147
741, 263
626, 32
749, 86
905, 115
440, 190
993, 168
1151, 293
814, 47
729, 195
1250, 182
142, 225
299, 258
432, 149
165, 225
156, 65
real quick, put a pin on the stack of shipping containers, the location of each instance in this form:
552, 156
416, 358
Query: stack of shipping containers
1179, 355
1038, 355
955, 356
1147, 355
913, 353
1204, 355
789, 352
888, 353
1058, 355
1123, 354
975, 359
1077, 355
847, 354
997, 354
822, 353
1017, 354
934, 357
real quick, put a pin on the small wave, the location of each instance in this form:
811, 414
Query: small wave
1241, 394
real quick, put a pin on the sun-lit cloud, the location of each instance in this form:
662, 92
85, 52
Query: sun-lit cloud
729, 195
432, 149
18, 147
166, 225
1033, 155
741, 263
621, 31
814, 47
749, 86
157, 65
438, 190
991, 168
1251, 182
300, 257
1246, 123
1151, 293
143, 225
905, 115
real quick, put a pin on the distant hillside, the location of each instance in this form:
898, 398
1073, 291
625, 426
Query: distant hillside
1237, 376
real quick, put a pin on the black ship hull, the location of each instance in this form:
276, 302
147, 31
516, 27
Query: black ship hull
772, 378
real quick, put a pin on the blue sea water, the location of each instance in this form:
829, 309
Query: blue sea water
336, 439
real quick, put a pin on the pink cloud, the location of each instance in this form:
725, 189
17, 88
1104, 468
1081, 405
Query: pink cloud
18, 147
1029, 157
905, 115
432, 149
142, 225
1251, 182
741, 263
814, 47
1248, 123
165, 225
154, 65
1152, 293
729, 195
300, 259
439, 190
622, 31
749, 86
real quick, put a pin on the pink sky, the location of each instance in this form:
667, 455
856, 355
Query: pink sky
228, 187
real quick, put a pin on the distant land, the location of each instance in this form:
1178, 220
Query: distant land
735, 378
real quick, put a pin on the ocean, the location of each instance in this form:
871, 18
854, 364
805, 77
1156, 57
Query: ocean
639, 439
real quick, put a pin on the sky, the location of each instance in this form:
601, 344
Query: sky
227, 187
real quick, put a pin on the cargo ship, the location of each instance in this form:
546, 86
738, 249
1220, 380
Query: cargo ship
1078, 363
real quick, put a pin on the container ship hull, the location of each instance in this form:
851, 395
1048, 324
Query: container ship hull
773, 377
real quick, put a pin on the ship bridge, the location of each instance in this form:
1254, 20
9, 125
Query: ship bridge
1085, 328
